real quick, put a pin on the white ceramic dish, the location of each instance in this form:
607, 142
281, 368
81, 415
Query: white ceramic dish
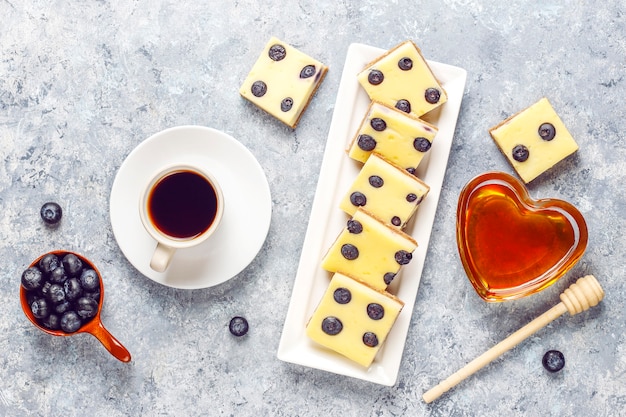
327, 220
241, 233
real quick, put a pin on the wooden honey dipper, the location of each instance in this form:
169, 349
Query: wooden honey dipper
584, 293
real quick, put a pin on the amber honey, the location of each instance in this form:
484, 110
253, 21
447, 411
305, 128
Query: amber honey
512, 245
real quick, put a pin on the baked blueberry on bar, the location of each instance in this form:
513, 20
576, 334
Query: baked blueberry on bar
283, 81
399, 137
534, 140
401, 78
385, 190
353, 319
369, 250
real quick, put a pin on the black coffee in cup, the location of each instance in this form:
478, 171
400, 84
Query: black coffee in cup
183, 204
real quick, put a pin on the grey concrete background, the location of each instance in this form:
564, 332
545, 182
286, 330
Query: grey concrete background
84, 82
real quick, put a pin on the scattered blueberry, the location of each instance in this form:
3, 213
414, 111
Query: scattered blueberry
51, 213
403, 105
32, 279
350, 252
72, 264
70, 321
370, 339
308, 71
375, 77
277, 52
238, 326
547, 131
520, 153
89, 280
366, 143
332, 326
342, 295
375, 311
553, 361
432, 95
405, 63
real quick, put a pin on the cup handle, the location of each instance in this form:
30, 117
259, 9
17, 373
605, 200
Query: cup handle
161, 258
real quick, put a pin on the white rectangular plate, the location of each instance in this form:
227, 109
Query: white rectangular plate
327, 220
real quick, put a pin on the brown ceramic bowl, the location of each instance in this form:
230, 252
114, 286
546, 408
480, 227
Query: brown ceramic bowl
93, 326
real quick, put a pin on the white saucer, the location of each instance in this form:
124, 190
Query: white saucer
247, 215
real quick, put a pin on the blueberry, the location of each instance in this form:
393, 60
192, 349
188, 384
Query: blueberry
45, 289
62, 307
70, 321
370, 339
350, 252
52, 322
72, 264
378, 124
358, 199
411, 171
86, 307
332, 326
94, 295
32, 279
51, 213
57, 275
259, 88
375, 311
376, 181
49, 262
403, 105
405, 63
286, 104
421, 144
40, 308
56, 293
396, 221
238, 326
342, 295
411, 197
520, 153
366, 142
389, 276
354, 227
553, 361
72, 288
375, 77
89, 280
308, 71
547, 131
432, 95
403, 257
277, 52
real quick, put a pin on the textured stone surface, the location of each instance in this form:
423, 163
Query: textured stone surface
82, 83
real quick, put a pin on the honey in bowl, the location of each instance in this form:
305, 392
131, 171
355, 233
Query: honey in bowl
511, 245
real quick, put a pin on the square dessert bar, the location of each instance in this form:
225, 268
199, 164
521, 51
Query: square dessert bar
385, 190
369, 250
400, 137
534, 140
401, 78
283, 81
353, 319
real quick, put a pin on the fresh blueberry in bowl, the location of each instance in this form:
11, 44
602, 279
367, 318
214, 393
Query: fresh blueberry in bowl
62, 306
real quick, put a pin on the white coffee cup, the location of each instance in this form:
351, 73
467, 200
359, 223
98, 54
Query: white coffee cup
181, 206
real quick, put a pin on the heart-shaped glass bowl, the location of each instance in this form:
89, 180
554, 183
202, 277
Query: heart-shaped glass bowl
510, 245
93, 326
